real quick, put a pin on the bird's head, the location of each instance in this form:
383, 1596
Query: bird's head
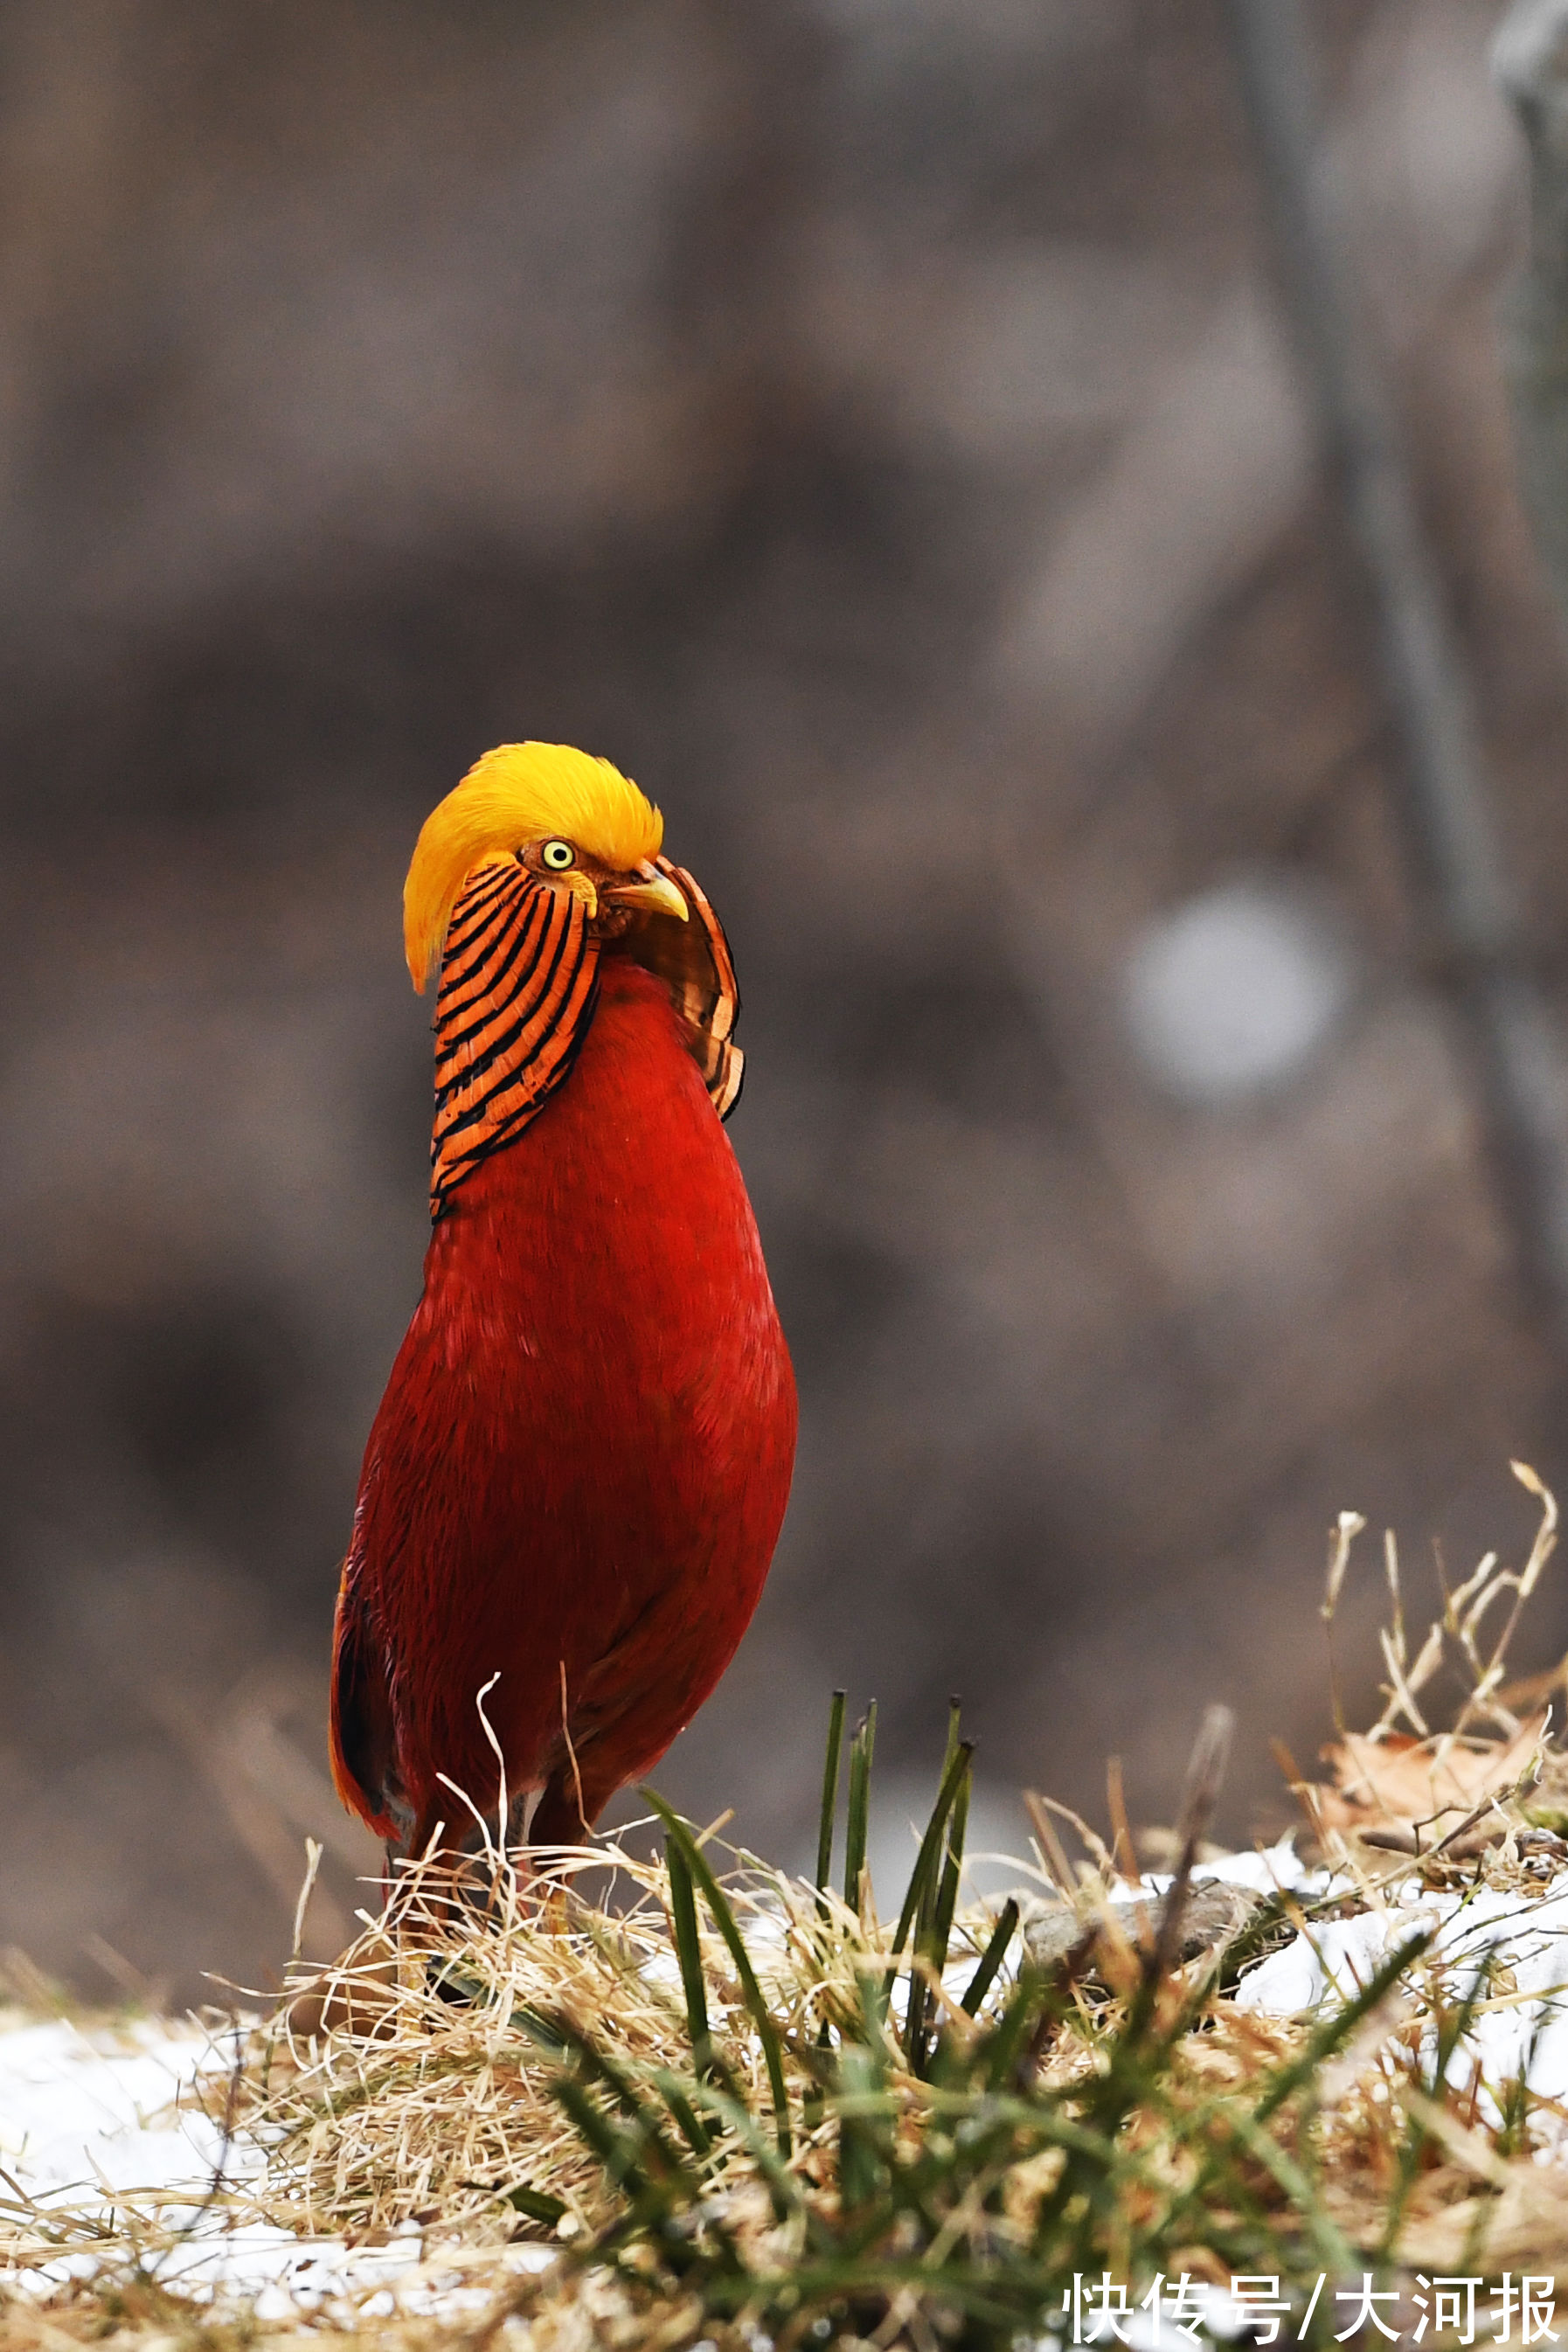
574, 822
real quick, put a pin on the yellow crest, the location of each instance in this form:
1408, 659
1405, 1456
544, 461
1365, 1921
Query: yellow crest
518, 793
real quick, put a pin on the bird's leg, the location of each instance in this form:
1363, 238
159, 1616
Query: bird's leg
569, 1805
564, 1814
429, 1885
515, 1839
450, 1890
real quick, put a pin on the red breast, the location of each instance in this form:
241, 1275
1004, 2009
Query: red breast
583, 1457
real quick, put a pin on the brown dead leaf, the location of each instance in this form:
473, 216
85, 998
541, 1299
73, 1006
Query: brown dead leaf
1399, 1779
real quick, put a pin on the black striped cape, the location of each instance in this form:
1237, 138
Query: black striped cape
520, 973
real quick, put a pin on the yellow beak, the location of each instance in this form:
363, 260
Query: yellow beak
657, 896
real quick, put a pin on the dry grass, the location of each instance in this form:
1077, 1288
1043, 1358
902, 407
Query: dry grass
740, 2104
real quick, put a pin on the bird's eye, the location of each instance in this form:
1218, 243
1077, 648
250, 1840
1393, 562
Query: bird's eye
558, 855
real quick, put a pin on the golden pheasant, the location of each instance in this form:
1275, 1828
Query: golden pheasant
577, 1475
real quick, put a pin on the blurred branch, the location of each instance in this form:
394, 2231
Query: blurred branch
1216, 458
1529, 59
1513, 1046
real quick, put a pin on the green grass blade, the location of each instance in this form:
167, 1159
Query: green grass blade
952, 1876
654, 2146
829, 1790
924, 1872
689, 1952
938, 1904
1260, 1931
543, 2030
724, 1920
534, 2202
991, 1959
1453, 2025
694, 2134
615, 2150
1330, 2248
875, 1986
783, 2187
1339, 2029
867, 2119
859, 1806
1004, 2045
916, 2009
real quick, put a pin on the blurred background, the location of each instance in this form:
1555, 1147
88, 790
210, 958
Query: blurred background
870, 423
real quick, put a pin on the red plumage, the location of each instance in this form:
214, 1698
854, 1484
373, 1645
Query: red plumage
581, 1464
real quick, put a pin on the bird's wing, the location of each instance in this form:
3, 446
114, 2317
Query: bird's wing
364, 1734
693, 961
